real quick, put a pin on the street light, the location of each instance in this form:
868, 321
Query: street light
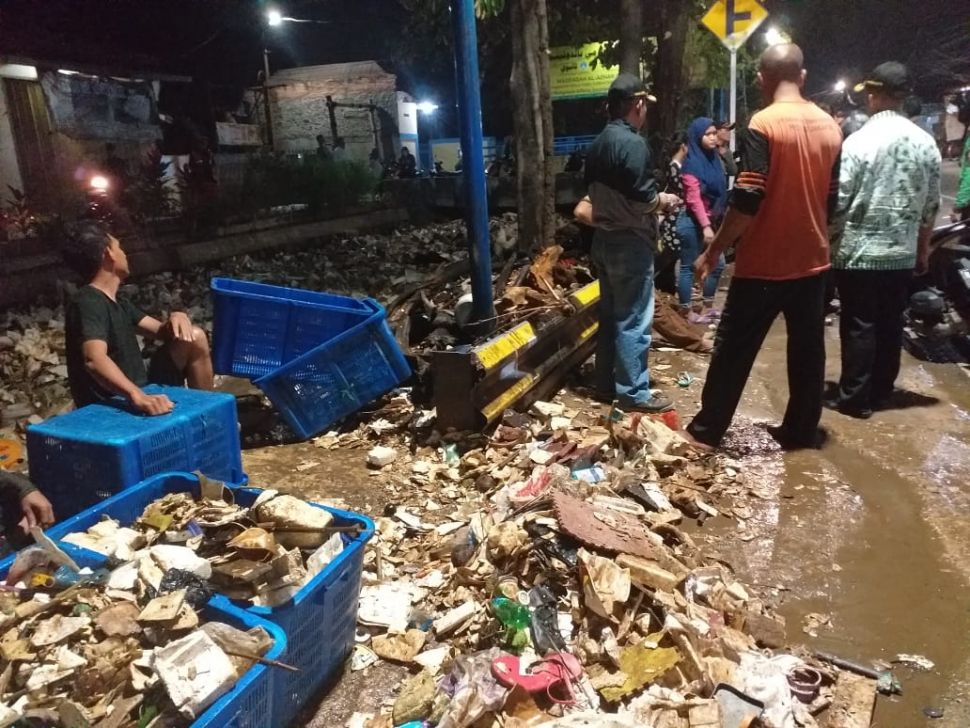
274, 19
773, 36
427, 107
840, 86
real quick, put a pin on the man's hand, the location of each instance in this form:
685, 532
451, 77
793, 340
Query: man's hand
152, 404
708, 235
668, 202
703, 267
37, 511
179, 327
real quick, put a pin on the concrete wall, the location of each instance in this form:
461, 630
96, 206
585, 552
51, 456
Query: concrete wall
299, 107
9, 169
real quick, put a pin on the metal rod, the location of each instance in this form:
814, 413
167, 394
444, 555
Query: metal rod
734, 96
266, 101
473, 161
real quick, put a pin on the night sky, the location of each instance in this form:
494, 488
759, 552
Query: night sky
221, 40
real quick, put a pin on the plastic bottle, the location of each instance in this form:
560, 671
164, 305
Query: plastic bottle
516, 619
511, 614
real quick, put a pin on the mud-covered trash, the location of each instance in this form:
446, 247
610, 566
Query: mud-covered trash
264, 554
197, 590
380, 456
195, 671
399, 647
606, 585
415, 698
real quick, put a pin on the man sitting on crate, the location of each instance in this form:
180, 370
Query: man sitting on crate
101, 327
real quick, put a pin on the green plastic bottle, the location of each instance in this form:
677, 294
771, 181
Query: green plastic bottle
511, 614
516, 619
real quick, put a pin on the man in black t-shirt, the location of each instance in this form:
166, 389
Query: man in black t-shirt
101, 328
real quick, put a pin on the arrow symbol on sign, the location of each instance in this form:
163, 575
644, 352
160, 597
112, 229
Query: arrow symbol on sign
731, 17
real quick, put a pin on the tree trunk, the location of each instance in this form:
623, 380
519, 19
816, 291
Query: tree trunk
668, 72
532, 123
631, 36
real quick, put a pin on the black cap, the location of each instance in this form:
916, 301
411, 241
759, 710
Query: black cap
890, 77
722, 124
626, 86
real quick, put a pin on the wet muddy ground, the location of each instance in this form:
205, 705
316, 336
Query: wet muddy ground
872, 531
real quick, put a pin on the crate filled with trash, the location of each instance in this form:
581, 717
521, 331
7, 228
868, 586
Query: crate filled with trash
295, 564
317, 356
88, 641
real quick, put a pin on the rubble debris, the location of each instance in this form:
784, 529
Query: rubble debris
917, 661
853, 704
265, 565
78, 652
380, 456
497, 565
195, 671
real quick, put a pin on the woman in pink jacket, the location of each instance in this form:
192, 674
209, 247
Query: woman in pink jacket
706, 194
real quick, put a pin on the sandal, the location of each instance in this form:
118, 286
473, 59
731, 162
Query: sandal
552, 675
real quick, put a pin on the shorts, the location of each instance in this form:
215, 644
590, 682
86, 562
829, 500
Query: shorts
163, 370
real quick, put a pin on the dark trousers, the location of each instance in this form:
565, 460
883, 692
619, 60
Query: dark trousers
751, 308
871, 330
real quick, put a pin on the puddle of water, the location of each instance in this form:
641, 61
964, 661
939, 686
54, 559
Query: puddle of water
871, 530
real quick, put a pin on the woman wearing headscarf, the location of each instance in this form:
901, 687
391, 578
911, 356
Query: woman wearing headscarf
705, 194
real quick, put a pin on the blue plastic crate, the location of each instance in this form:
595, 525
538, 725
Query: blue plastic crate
338, 377
250, 702
319, 622
258, 328
84, 456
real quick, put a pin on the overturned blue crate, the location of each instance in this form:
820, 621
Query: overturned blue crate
82, 457
258, 328
249, 704
338, 377
319, 622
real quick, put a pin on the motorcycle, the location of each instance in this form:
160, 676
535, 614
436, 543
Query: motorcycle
937, 320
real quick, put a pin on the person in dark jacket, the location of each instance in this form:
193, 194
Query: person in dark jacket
22, 507
625, 203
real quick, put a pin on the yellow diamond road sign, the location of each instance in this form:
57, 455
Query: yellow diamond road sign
733, 21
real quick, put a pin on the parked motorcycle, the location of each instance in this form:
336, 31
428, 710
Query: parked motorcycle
938, 318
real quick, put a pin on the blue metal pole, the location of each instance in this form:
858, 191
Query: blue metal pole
473, 162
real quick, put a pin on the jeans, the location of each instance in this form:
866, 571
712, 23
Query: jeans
624, 264
691, 242
751, 308
871, 330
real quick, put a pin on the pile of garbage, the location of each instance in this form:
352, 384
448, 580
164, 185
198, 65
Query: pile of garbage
262, 554
117, 649
544, 573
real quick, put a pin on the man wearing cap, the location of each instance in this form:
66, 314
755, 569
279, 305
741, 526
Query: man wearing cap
625, 201
724, 129
889, 194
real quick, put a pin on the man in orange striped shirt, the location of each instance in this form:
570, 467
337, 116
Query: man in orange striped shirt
778, 216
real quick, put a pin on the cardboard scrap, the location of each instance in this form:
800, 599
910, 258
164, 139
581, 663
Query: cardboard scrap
605, 584
399, 647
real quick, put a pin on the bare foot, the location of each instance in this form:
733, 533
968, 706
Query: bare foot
701, 447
